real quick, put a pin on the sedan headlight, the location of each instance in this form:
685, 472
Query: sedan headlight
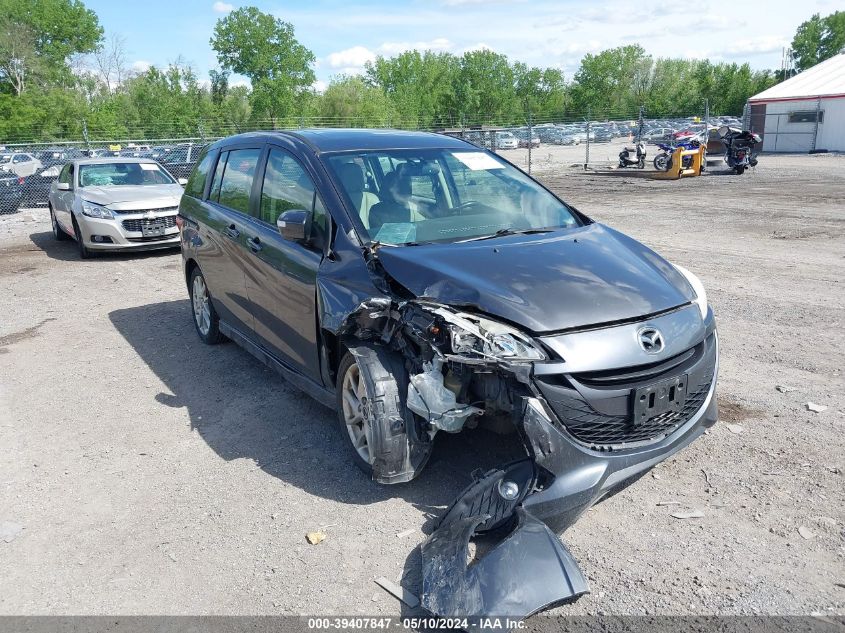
474, 335
698, 288
96, 211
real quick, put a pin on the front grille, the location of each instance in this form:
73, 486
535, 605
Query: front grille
596, 408
606, 431
169, 222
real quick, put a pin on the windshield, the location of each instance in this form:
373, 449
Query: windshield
120, 174
437, 195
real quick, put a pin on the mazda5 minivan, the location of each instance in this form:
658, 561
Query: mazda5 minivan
419, 285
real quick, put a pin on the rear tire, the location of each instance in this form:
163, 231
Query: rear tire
740, 169
58, 233
206, 321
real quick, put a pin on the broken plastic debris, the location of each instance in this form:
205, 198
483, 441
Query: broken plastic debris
691, 514
815, 408
428, 397
314, 538
805, 532
404, 533
736, 429
668, 503
784, 388
398, 592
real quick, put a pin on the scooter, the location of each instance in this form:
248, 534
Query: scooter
663, 161
739, 148
625, 159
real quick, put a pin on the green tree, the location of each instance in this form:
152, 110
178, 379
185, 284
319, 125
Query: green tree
264, 48
605, 82
818, 39
58, 29
352, 101
486, 89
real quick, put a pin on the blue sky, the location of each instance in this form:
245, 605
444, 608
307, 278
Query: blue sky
344, 35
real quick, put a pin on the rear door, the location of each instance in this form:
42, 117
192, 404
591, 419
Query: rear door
281, 275
63, 206
222, 253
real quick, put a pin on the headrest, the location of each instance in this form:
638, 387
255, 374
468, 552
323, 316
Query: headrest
352, 177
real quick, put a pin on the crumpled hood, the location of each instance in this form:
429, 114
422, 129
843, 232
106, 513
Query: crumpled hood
543, 282
129, 197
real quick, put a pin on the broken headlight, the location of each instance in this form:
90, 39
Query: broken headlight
474, 335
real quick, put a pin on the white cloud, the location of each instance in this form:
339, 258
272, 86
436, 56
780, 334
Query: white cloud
756, 46
459, 3
141, 66
480, 46
320, 85
350, 59
394, 48
222, 7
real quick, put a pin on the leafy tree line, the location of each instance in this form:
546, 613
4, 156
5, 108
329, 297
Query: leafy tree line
59, 76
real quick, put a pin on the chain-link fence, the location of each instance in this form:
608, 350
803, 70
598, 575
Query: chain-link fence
28, 169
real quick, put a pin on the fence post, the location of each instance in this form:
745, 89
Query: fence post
816, 129
706, 121
587, 156
85, 135
530, 138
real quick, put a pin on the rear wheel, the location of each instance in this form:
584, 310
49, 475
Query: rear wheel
58, 233
206, 320
662, 162
740, 169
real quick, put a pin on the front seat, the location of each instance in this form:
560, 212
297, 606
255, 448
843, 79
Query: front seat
352, 178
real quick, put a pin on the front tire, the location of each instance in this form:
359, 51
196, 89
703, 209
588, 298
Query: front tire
206, 321
381, 433
84, 251
662, 162
58, 234
740, 169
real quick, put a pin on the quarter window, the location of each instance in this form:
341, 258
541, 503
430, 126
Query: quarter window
196, 183
236, 184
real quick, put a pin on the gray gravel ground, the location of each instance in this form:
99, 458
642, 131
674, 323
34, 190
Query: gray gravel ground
145, 473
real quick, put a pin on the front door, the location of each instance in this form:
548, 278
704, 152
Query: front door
281, 275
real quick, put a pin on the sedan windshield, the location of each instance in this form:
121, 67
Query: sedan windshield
413, 196
121, 174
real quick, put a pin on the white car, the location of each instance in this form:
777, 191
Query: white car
20, 164
506, 140
111, 204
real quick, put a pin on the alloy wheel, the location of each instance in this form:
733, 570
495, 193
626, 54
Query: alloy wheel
202, 308
353, 393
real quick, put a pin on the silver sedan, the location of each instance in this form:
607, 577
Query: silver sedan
111, 204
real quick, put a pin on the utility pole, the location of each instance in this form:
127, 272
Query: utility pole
587, 156
530, 138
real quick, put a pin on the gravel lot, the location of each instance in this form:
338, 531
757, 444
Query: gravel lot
145, 473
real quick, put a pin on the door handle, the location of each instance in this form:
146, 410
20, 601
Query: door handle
254, 244
232, 232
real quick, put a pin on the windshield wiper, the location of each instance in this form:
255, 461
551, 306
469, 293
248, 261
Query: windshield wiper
507, 231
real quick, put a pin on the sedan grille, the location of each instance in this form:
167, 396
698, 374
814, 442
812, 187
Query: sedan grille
136, 225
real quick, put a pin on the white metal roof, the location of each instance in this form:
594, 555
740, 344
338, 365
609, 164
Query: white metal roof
824, 79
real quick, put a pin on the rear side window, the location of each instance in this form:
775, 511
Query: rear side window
196, 183
236, 184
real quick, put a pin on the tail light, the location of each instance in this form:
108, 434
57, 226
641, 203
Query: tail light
20, 180
740, 155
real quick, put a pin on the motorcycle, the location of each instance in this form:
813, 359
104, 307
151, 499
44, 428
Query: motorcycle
625, 159
663, 161
739, 148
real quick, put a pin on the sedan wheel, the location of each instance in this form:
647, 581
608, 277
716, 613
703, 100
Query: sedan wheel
58, 233
354, 394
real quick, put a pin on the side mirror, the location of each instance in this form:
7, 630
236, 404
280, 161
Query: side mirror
182, 181
63, 186
294, 225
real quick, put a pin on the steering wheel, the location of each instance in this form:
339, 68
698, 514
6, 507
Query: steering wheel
462, 208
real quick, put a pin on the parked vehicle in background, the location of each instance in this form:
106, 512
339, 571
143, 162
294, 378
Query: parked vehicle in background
11, 192
37, 186
603, 134
180, 160
658, 135
739, 148
524, 140
19, 163
454, 290
109, 204
506, 140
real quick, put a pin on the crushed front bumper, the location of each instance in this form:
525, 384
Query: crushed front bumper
525, 567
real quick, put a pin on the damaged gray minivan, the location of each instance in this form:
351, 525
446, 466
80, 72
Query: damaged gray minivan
421, 285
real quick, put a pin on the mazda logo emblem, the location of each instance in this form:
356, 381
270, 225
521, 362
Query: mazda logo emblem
651, 340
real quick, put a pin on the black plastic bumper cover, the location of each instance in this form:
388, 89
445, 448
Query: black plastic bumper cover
528, 571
